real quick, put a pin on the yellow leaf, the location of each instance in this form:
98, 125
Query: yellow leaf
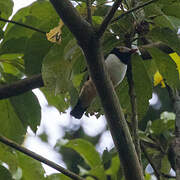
158, 79
55, 34
176, 59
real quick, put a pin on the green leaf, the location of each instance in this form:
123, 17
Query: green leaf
115, 165
123, 95
11, 125
167, 36
164, 21
165, 165
98, 172
166, 67
40, 15
31, 169
28, 109
1, 33
86, 150
143, 136
161, 126
8, 156
57, 177
142, 84
5, 174
55, 100
175, 21
57, 67
12, 64
172, 10
6, 8
36, 48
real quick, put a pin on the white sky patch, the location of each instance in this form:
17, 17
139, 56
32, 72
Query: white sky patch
105, 142
21, 3
35, 144
93, 126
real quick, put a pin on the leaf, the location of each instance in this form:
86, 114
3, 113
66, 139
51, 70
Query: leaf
5, 174
158, 79
115, 165
143, 136
28, 109
165, 165
36, 48
176, 59
122, 92
166, 36
6, 8
142, 84
175, 21
86, 150
40, 15
160, 126
56, 69
166, 67
55, 34
8, 156
57, 177
172, 10
55, 100
164, 21
31, 169
98, 172
11, 126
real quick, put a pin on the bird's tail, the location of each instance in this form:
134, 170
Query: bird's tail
78, 110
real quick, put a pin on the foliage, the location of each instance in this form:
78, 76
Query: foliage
26, 52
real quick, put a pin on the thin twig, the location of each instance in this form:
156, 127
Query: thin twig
22, 25
39, 158
89, 15
21, 86
156, 172
108, 18
134, 119
132, 10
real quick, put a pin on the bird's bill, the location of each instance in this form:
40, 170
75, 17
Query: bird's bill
132, 51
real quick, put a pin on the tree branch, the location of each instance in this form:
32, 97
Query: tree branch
39, 158
175, 98
89, 15
21, 86
108, 18
132, 10
22, 25
36, 81
91, 46
134, 118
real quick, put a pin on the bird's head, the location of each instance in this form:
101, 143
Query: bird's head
123, 53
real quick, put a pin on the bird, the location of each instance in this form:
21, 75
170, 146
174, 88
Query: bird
116, 63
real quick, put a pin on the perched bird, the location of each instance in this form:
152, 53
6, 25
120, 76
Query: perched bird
116, 63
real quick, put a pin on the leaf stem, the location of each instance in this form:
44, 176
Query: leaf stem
132, 10
22, 25
39, 158
108, 18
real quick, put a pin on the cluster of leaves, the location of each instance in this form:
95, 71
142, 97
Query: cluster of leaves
25, 52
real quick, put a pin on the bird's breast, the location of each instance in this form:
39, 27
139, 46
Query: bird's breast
116, 68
